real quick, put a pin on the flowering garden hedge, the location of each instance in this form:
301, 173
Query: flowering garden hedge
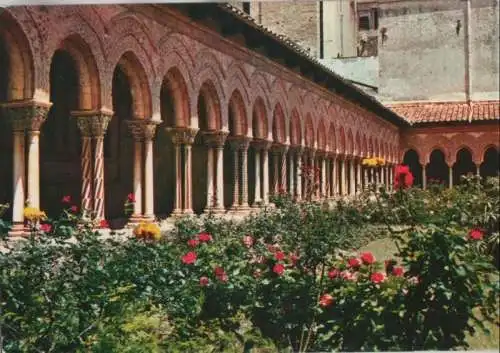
289, 278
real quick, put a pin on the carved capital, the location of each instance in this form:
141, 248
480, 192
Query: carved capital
136, 128
149, 129
215, 138
84, 124
182, 135
261, 145
99, 124
238, 143
26, 114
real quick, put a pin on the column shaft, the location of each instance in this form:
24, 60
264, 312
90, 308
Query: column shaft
299, 177
219, 190
87, 177
257, 197
210, 178
33, 168
178, 180
18, 172
265, 179
137, 215
188, 180
236, 178
244, 176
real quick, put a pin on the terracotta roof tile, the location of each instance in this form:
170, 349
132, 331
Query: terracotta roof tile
426, 112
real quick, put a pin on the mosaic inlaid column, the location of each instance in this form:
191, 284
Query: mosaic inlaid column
323, 177
99, 127
178, 177
359, 186
283, 169
218, 139
136, 129
87, 194
334, 176
450, 176
210, 179
275, 156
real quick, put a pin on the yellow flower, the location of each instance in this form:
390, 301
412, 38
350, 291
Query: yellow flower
148, 230
33, 214
380, 161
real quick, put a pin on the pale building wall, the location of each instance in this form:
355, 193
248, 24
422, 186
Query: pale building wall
340, 29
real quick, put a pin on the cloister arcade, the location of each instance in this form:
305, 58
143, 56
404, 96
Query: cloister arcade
96, 104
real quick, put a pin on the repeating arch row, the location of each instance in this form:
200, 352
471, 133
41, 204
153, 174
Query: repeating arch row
287, 113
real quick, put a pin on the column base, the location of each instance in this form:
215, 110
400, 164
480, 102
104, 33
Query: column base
18, 230
187, 212
148, 218
176, 212
134, 220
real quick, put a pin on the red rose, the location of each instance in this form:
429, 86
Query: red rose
377, 277
293, 258
66, 199
204, 237
131, 197
334, 273
189, 258
219, 271
476, 234
348, 276
367, 258
403, 178
279, 269
204, 281
248, 241
223, 277
326, 300
271, 248
45, 227
354, 262
103, 224
398, 271
74, 209
279, 255
193, 242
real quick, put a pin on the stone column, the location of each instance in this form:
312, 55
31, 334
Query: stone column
210, 179
99, 127
352, 177
265, 173
235, 148
424, 176
178, 178
216, 139
136, 129
291, 173
333, 178
478, 169
300, 183
323, 176
189, 136
257, 198
450, 176
275, 156
87, 194
37, 113
18, 174
284, 150
359, 186
244, 174
149, 190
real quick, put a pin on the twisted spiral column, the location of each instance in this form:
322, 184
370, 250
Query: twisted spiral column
99, 127
87, 197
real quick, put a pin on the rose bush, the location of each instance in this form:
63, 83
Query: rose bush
287, 278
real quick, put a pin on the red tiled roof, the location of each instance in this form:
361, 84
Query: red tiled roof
426, 112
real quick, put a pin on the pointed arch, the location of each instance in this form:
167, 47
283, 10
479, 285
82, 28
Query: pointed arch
20, 84
321, 135
174, 88
295, 128
209, 107
279, 133
259, 119
309, 131
237, 115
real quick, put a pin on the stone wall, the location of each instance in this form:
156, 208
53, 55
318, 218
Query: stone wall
298, 20
423, 56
